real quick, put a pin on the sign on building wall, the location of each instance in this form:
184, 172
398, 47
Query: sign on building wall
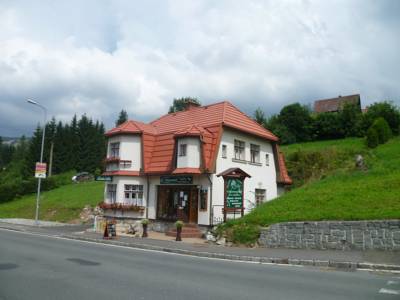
40, 170
182, 179
234, 193
103, 178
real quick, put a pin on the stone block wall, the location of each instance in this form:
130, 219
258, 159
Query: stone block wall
338, 235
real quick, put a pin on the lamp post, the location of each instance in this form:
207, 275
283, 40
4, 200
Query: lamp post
41, 158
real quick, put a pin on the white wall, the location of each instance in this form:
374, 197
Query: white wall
262, 176
129, 149
192, 158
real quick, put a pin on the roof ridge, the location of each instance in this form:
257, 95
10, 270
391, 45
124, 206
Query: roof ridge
185, 111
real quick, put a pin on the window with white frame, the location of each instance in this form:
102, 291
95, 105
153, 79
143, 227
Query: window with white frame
114, 149
223, 151
267, 159
260, 196
125, 164
254, 153
134, 194
182, 149
239, 150
112, 193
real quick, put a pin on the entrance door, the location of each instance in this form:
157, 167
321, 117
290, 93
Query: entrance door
177, 202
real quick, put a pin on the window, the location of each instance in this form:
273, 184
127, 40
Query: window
182, 150
125, 164
260, 196
112, 192
267, 159
203, 199
114, 149
223, 151
254, 153
239, 150
134, 194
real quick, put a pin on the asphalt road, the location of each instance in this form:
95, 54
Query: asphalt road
37, 267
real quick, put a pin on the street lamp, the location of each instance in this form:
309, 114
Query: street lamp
41, 157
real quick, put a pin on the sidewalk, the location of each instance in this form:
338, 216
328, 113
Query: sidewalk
374, 260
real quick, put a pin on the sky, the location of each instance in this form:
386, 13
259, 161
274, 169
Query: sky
98, 57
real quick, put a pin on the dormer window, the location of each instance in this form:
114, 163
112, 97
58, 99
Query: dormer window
114, 149
182, 149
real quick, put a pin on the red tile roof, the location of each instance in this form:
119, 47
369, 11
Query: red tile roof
335, 104
283, 176
207, 122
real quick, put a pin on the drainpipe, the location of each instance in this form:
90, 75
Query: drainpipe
211, 207
147, 197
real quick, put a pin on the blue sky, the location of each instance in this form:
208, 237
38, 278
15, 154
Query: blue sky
98, 57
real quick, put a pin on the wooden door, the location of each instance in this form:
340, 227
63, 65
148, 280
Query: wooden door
193, 205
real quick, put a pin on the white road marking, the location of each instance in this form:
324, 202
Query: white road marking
388, 291
391, 282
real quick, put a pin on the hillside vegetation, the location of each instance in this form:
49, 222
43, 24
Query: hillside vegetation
341, 193
62, 204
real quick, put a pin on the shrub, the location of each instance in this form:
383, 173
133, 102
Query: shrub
9, 190
386, 110
383, 130
243, 233
372, 138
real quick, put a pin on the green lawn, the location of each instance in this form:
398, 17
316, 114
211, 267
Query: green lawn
349, 144
346, 195
61, 204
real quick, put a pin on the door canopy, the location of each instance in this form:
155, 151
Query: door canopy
234, 173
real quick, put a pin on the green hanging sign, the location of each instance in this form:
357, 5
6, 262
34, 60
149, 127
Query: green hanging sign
234, 193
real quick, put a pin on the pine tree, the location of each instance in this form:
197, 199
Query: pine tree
123, 117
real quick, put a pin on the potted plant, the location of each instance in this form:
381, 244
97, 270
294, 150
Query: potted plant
144, 222
178, 225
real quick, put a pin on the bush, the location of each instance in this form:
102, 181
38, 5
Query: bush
372, 138
243, 233
9, 190
386, 110
383, 130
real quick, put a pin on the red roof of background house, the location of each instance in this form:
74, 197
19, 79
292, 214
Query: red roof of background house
335, 104
207, 122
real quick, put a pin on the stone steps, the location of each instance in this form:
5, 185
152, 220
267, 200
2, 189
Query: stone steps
188, 231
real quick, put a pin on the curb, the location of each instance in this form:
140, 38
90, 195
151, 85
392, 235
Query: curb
341, 265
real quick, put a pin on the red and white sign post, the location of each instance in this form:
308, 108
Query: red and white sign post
40, 170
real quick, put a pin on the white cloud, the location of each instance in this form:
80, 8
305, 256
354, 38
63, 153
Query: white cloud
97, 58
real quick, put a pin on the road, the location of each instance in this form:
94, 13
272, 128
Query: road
39, 267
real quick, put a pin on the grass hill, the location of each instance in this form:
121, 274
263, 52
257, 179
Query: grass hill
62, 204
336, 190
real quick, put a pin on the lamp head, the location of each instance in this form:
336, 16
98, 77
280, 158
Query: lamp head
31, 101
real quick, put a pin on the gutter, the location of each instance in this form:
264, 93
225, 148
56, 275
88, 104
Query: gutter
211, 207
147, 197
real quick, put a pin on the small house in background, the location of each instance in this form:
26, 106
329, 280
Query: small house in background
336, 104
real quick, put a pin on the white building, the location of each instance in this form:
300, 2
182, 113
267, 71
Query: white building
168, 169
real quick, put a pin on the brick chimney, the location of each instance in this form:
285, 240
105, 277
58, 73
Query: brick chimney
191, 104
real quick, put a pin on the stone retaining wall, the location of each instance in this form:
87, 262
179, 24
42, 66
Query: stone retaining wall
339, 235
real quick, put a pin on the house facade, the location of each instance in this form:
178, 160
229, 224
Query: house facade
336, 104
171, 168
